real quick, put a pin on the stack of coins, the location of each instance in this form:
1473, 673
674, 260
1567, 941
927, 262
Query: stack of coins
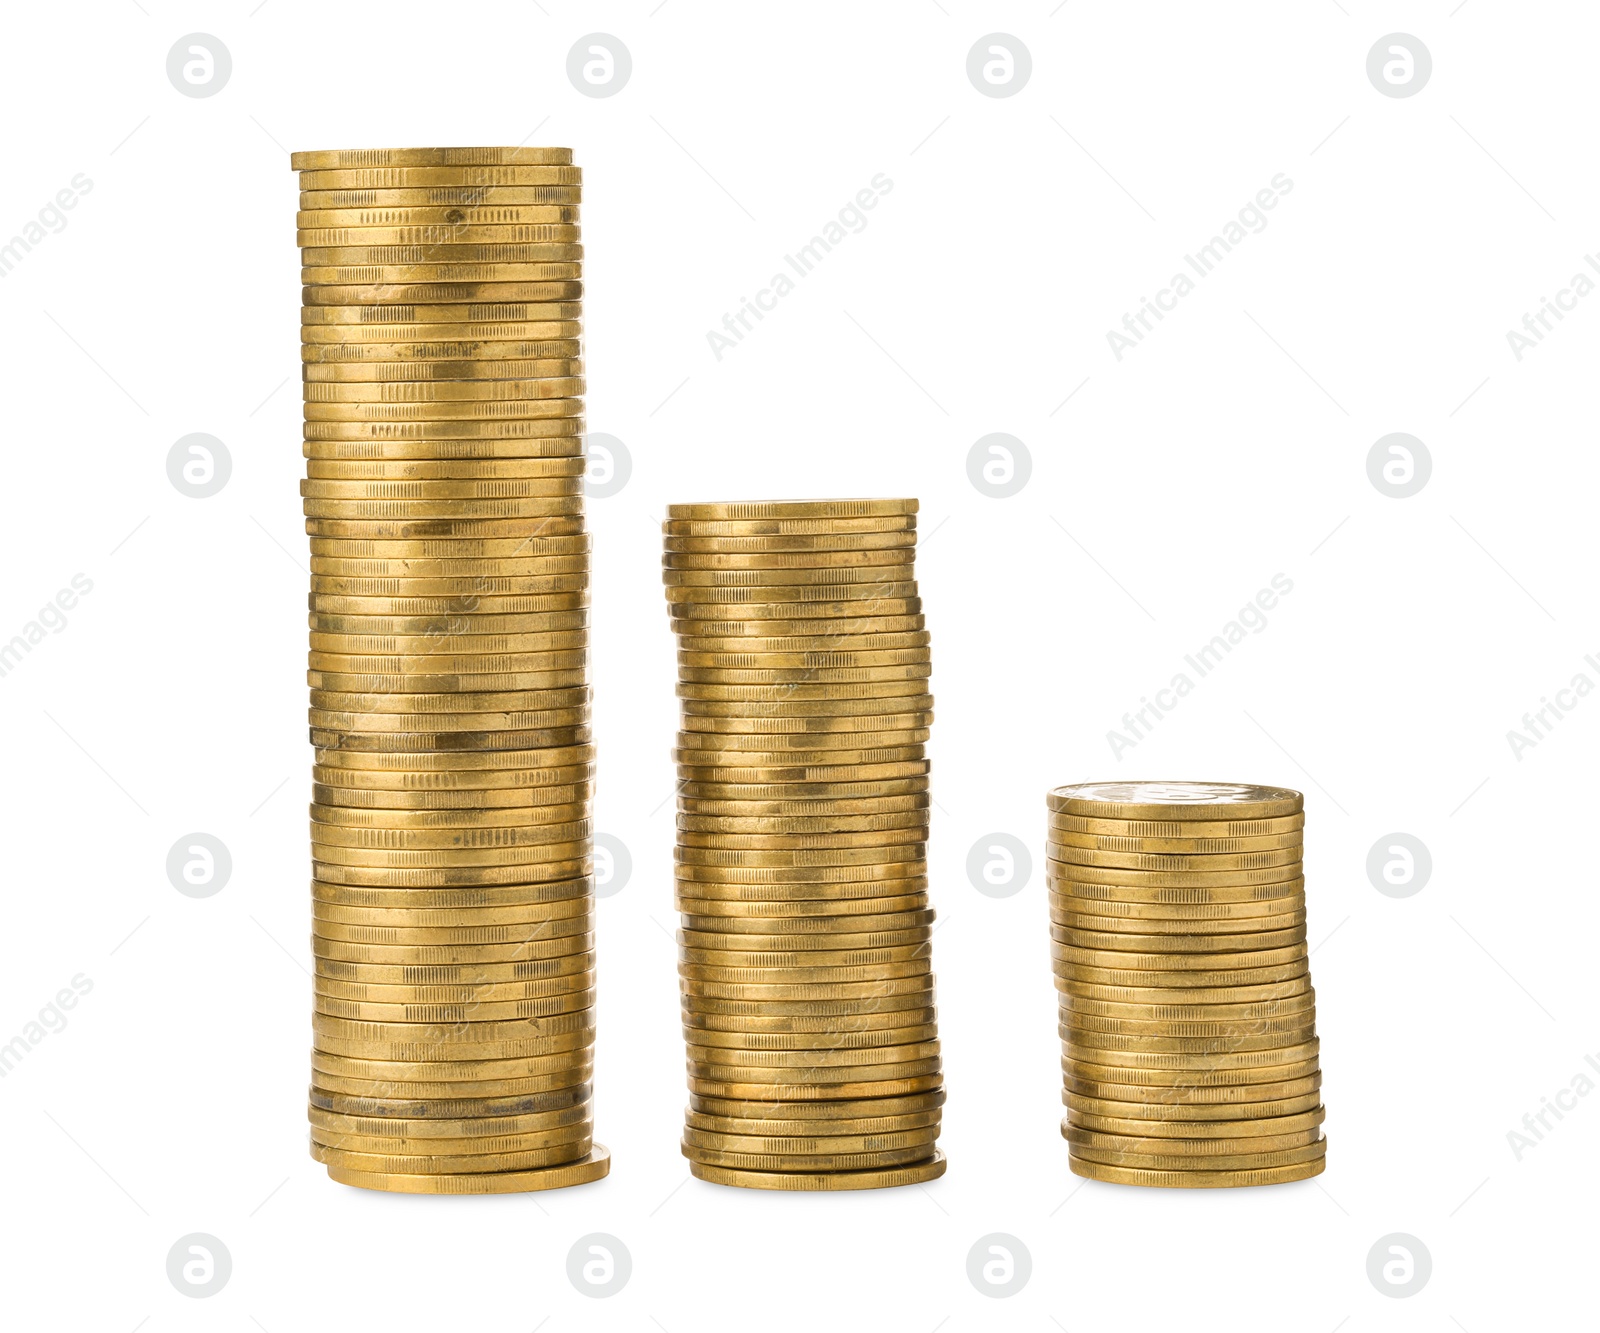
807, 989
1188, 1022
451, 839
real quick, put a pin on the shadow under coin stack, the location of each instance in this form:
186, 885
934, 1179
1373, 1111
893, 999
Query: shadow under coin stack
807, 986
1188, 1022
451, 841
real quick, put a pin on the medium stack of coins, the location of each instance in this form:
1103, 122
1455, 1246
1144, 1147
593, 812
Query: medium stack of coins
450, 832
1188, 1022
807, 989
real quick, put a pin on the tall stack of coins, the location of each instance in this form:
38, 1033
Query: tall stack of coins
450, 830
807, 988
1188, 1022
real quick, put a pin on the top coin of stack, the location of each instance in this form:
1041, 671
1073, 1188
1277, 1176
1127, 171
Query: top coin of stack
451, 839
807, 991
1188, 1022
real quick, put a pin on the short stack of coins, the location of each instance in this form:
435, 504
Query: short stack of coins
451, 836
1188, 1022
801, 873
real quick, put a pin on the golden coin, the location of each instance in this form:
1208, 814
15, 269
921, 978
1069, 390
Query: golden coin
817, 807
746, 511
785, 797
442, 239
365, 315
802, 692
415, 696
394, 177
1196, 1149
1180, 829
709, 600
497, 215
1160, 1081
1174, 801
801, 826
685, 582
1242, 1094
798, 643
443, 271
514, 817
1102, 842
463, 767
1160, 864
1125, 1175
568, 1101
448, 1067
1177, 944
695, 858
470, 973
351, 374
472, 1011
798, 544
594, 1166
381, 1163
834, 1164
773, 976
508, 604
463, 839
787, 527
737, 631
437, 253
814, 1129
465, 469
1172, 1112
886, 1178
755, 884
1080, 1027
1090, 1046
474, 1097
1069, 892
450, 549
465, 996
1179, 916
345, 1140
1252, 1161
345, 335
803, 998
681, 563
1163, 927
519, 895
792, 617
703, 943
1150, 977
433, 351
720, 1044
795, 1093
410, 742
440, 196
1061, 872
767, 775
1293, 1004
817, 1073
547, 946
344, 158
700, 1143
868, 1018
1178, 962
733, 915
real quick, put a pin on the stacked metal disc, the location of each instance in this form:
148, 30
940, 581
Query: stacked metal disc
451, 839
1188, 1022
806, 981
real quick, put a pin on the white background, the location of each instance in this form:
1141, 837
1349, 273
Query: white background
1229, 447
